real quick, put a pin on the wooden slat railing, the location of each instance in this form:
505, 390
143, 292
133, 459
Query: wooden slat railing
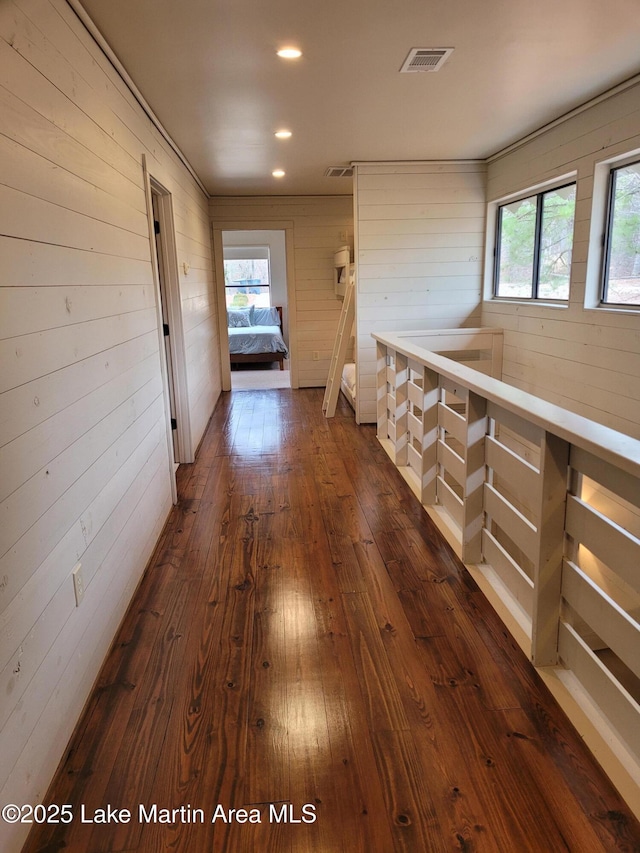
547, 499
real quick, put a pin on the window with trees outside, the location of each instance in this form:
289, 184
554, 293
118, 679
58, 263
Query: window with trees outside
534, 241
247, 281
622, 238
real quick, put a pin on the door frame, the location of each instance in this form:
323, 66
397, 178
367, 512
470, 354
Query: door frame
217, 227
173, 307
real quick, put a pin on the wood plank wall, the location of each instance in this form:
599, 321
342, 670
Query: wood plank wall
84, 471
587, 360
419, 238
321, 224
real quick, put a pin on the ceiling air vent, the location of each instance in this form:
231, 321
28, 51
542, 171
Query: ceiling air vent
425, 59
339, 172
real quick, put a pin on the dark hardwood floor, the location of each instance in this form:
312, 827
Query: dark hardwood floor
304, 644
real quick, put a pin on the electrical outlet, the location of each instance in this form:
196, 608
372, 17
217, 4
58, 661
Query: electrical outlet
78, 583
316, 355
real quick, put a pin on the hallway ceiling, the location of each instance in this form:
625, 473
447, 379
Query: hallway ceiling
209, 70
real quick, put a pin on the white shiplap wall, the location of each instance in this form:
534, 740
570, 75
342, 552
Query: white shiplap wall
321, 224
585, 359
84, 473
419, 237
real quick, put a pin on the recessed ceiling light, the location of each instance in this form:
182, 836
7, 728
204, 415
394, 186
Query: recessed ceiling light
283, 134
290, 53
278, 173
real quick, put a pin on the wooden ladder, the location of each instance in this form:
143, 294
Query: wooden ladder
339, 354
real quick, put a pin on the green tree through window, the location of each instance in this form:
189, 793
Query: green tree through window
534, 245
622, 242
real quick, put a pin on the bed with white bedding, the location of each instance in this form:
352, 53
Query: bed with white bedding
255, 335
348, 383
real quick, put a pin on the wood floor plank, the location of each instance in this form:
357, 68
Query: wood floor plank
267, 782
415, 822
304, 636
363, 817
440, 765
208, 722
513, 805
457, 659
310, 761
528, 750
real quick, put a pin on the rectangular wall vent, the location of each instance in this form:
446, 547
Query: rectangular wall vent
425, 59
339, 172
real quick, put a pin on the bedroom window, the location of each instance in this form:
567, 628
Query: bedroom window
247, 279
533, 246
621, 279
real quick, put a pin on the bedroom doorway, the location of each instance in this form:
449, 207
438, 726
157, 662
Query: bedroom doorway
163, 257
256, 287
